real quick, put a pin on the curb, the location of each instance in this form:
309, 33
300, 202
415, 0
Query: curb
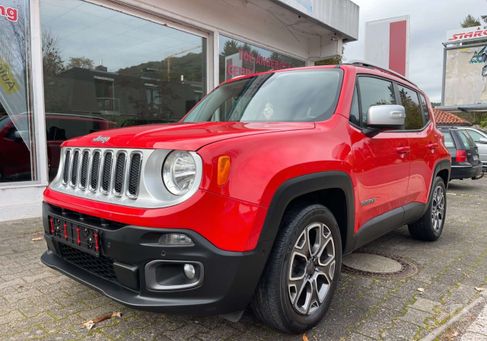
435, 333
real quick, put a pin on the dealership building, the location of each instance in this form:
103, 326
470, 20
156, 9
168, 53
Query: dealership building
72, 67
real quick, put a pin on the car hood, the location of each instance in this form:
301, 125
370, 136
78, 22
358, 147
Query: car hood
181, 136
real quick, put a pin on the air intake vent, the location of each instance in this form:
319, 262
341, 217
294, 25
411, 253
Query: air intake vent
107, 172
74, 169
66, 167
84, 169
95, 171
134, 175
119, 173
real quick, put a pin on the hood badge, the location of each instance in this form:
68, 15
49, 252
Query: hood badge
101, 138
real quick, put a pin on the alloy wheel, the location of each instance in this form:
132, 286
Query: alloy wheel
311, 269
438, 208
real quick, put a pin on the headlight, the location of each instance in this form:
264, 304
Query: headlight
179, 172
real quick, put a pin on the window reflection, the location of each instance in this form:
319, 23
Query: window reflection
16, 138
238, 58
108, 69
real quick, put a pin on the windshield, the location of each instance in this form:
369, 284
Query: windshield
295, 96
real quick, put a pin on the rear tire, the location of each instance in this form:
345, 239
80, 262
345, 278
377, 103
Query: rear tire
430, 226
302, 272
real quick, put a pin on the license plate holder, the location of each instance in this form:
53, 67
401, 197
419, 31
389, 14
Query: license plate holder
75, 234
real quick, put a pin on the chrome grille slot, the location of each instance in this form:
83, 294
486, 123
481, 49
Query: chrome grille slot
119, 173
74, 168
134, 175
84, 169
95, 171
107, 172
66, 167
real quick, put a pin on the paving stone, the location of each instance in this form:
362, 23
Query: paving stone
38, 302
414, 316
425, 305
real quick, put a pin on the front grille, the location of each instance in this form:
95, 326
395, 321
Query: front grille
110, 172
101, 266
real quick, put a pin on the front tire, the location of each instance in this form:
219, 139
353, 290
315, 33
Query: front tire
302, 272
430, 226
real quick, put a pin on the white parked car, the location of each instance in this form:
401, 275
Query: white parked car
480, 138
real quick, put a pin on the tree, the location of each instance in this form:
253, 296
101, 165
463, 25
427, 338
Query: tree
470, 21
230, 47
81, 62
51, 56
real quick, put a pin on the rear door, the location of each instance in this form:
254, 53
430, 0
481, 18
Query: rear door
424, 142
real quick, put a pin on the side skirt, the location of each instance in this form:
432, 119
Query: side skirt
380, 225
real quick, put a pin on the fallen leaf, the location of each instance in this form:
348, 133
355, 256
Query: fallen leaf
91, 323
305, 338
421, 290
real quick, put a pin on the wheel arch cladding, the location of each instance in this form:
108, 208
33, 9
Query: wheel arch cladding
331, 189
443, 170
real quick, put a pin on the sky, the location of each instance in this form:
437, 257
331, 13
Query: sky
429, 22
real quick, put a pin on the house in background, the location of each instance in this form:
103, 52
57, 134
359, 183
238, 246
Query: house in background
444, 118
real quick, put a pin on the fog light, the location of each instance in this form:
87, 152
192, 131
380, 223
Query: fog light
189, 271
175, 239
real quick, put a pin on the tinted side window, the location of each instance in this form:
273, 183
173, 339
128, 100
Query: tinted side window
466, 139
354, 110
374, 91
410, 102
424, 106
448, 140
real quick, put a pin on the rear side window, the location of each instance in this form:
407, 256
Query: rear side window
374, 91
448, 140
424, 109
410, 102
466, 139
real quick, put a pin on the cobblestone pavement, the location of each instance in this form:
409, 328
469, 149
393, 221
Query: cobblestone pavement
37, 302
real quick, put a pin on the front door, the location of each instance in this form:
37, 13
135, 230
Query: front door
381, 163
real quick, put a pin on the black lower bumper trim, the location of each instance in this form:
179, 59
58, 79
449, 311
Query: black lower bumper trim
230, 278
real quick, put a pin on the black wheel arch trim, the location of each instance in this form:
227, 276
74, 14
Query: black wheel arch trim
297, 187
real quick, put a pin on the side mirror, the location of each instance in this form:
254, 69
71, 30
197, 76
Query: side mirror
386, 117
482, 140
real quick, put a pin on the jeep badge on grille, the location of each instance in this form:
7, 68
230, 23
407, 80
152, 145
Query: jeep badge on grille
101, 139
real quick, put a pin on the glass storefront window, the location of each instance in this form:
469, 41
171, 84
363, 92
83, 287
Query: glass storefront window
238, 58
16, 138
106, 69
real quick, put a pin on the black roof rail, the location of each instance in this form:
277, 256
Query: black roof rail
369, 65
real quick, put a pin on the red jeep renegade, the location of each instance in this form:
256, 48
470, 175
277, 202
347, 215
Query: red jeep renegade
253, 197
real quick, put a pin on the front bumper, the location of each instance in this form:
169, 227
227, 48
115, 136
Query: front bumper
466, 172
228, 280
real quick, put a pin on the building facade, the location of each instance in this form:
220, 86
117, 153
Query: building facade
72, 67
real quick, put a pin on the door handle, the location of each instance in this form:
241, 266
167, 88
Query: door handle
432, 145
403, 150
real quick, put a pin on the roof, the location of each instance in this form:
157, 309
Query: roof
444, 118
